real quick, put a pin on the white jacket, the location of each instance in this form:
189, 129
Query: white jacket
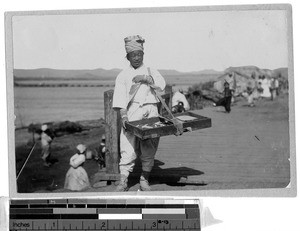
76, 160
179, 97
124, 82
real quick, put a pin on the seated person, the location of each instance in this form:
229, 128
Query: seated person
179, 108
179, 100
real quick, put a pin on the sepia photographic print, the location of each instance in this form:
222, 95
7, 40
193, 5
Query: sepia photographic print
151, 101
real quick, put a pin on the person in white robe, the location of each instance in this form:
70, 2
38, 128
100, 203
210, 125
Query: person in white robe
46, 141
265, 84
135, 98
77, 178
178, 98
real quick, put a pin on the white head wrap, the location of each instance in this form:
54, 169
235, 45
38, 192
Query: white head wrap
44, 127
81, 148
134, 43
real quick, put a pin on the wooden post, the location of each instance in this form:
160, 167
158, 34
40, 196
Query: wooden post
112, 131
168, 99
168, 91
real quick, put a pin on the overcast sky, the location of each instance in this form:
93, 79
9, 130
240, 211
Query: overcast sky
186, 41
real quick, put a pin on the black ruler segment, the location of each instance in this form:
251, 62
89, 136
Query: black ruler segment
135, 206
48, 205
96, 206
96, 214
53, 216
76, 205
34, 216
79, 216
19, 206
116, 206
191, 206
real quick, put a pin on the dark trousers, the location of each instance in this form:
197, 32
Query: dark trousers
225, 102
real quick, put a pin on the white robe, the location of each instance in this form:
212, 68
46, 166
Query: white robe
124, 83
179, 97
265, 84
77, 178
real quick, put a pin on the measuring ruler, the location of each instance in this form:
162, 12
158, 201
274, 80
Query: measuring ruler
96, 214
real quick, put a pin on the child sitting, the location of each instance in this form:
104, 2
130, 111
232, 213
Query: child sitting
77, 178
249, 95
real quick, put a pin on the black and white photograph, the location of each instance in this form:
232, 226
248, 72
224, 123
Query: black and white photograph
153, 101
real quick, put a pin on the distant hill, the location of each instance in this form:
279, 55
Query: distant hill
207, 72
244, 73
95, 74
282, 72
47, 73
165, 72
248, 71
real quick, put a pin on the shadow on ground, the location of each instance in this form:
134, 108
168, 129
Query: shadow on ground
178, 176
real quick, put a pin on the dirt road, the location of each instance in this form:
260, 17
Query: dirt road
246, 149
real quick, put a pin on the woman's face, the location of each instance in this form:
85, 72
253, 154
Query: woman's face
136, 58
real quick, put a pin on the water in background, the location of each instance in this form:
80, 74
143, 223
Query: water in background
49, 104
43, 104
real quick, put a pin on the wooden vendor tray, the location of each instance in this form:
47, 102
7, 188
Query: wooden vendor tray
137, 129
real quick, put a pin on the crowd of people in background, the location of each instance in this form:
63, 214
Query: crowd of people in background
252, 88
261, 88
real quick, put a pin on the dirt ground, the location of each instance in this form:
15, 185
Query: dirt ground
246, 149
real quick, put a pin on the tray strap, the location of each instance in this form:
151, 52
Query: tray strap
177, 123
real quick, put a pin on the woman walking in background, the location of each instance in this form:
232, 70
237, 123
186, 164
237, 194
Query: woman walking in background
46, 140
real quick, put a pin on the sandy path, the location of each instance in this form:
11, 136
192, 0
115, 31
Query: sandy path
248, 148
